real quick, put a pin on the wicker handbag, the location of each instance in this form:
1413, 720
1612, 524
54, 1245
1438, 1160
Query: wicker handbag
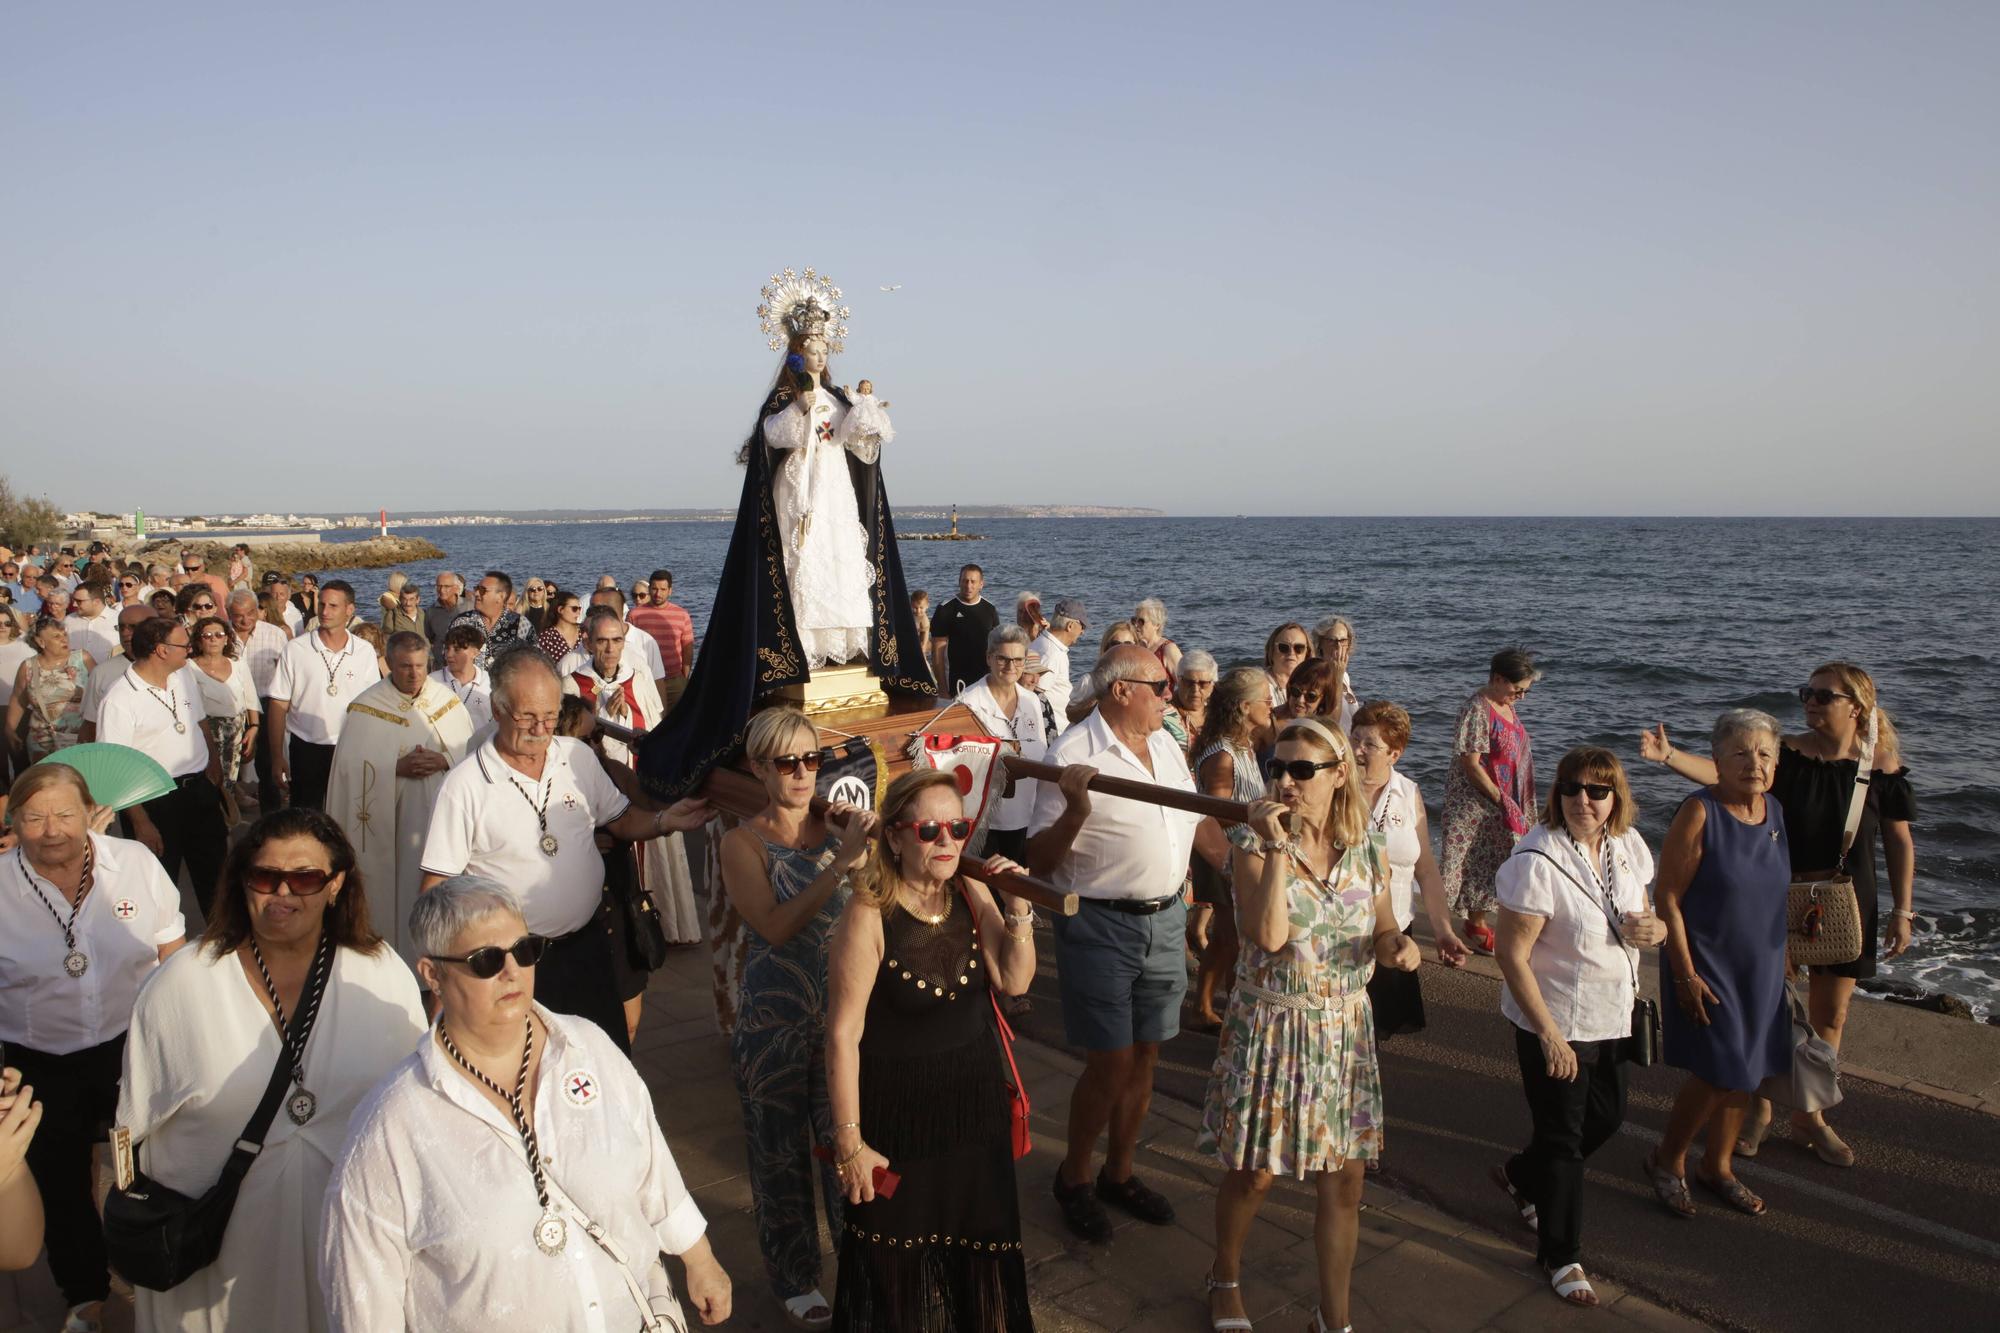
1822, 915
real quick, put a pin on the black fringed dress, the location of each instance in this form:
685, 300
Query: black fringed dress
944, 1255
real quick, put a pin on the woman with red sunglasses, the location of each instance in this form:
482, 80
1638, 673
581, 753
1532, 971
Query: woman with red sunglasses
785, 871
289, 956
918, 1080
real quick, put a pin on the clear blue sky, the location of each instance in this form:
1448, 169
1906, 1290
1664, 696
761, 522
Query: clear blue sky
1438, 258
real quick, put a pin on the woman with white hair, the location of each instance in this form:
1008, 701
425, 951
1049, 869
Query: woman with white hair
1149, 623
512, 1164
1333, 641
1194, 685
1013, 716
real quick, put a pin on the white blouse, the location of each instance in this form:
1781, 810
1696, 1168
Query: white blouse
431, 1214
200, 1052
1585, 971
230, 698
133, 910
1395, 818
1024, 727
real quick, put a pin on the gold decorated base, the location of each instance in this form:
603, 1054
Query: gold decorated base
836, 689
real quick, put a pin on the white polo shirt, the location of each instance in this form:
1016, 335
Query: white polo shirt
1126, 849
484, 823
97, 636
295, 619
131, 912
102, 677
303, 672
477, 696
260, 652
164, 724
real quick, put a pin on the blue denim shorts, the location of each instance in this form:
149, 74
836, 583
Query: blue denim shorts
1122, 976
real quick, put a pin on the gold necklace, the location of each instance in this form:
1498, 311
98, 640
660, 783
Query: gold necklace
932, 921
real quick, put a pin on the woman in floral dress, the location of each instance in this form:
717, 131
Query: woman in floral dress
1296, 1090
48, 693
1489, 791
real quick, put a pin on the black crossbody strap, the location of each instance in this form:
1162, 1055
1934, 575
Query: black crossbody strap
252, 1141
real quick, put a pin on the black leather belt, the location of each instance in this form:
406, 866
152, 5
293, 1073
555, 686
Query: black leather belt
1134, 906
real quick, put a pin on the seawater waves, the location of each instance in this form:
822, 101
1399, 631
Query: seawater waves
1634, 620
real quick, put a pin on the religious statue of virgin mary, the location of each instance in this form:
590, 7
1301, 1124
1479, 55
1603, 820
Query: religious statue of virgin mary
812, 577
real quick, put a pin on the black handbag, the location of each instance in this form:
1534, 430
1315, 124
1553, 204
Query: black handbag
157, 1237
645, 934
1641, 1046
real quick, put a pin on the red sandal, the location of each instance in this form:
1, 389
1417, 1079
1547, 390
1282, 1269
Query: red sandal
1480, 937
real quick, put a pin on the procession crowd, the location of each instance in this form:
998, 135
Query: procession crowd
428, 946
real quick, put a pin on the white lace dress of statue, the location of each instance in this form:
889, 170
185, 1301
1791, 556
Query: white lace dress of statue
819, 522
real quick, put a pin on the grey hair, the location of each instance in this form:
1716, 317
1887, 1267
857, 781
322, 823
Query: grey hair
515, 662
405, 641
1110, 670
1737, 721
1007, 634
1153, 611
455, 577
1199, 659
1059, 622
597, 613
450, 907
1023, 600
1328, 626
243, 595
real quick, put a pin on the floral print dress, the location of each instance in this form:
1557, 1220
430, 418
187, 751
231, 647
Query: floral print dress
1296, 1086
1478, 836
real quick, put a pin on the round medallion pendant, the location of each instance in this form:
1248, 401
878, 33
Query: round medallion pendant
76, 962
180, 727
301, 1106
549, 844
551, 1234
333, 687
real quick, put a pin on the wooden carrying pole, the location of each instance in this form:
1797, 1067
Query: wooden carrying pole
739, 794
1215, 807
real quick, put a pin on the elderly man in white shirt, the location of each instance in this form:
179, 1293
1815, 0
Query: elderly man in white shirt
641, 653
511, 1168
524, 809
1122, 958
1066, 626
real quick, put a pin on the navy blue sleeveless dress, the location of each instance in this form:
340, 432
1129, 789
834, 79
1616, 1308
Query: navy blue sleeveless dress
1734, 911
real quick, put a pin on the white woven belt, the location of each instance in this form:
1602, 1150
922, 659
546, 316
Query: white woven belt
1315, 1002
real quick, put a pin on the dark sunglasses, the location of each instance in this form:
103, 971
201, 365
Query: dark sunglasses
1296, 692
1160, 688
303, 883
789, 764
1597, 791
1809, 695
486, 963
928, 830
1290, 648
1302, 770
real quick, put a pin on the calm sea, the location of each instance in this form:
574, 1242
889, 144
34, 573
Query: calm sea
1635, 621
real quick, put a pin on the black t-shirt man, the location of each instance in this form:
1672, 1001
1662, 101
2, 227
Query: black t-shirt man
963, 629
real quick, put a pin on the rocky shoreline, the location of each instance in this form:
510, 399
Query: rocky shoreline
292, 557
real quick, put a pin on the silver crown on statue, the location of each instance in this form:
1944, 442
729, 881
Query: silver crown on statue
798, 305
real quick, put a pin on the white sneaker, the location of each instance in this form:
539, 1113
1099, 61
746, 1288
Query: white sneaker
79, 1322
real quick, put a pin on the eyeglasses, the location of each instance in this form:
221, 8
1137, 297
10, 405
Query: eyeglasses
183, 645
1005, 662
1294, 649
1597, 791
1809, 695
214, 634
930, 830
304, 882
1301, 770
486, 963
789, 764
1161, 687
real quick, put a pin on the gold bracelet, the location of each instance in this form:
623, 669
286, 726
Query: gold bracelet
844, 1162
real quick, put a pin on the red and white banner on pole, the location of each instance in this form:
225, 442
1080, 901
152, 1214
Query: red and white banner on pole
973, 762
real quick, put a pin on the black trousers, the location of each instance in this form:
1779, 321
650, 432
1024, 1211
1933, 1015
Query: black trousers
312, 769
79, 1097
576, 977
1572, 1120
267, 790
192, 831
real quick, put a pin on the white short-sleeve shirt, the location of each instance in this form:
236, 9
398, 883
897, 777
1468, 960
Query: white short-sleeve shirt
260, 652
304, 671
132, 911
485, 823
1125, 849
1055, 667
164, 724
477, 696
97, 636
1395, 818
1583, 968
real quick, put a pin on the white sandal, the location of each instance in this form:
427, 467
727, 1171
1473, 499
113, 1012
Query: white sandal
1229, 1323
1566, 1289
1319, 1324
797, 1306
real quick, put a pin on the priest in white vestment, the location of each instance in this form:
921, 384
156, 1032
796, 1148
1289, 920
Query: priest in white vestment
399, 739
616, 692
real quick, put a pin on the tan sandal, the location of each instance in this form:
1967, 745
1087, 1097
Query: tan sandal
1826, 1145
1752, 1137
